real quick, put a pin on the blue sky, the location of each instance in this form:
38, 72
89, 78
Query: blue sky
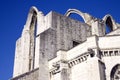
14, 13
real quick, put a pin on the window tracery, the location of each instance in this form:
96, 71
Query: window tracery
115, 73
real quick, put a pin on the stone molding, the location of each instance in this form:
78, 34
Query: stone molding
110, 52
81, 58
57, 67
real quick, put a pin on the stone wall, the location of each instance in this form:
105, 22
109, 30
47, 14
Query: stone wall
32, 75
41, 39
62, 33
18, 58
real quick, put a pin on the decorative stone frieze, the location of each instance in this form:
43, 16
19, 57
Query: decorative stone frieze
56, 68
81, 58
110, 52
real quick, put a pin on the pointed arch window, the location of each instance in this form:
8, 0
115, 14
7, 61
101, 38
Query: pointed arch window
109, 25
32, 32
115, 73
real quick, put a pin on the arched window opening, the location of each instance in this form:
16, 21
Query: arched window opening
76, 17
32, 32
115, 73
34, 23
109, 25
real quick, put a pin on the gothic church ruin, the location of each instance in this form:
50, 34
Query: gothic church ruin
57, 47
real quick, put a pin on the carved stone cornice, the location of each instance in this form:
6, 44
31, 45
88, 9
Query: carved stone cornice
81, 58
110, 52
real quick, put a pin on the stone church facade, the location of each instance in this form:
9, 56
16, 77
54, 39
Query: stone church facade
57, 47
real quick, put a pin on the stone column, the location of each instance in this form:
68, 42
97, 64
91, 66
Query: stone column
97, 27
43, 67
63, 65
64, 71
43, 61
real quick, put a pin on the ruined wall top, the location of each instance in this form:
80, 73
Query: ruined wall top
42, 20
59, 32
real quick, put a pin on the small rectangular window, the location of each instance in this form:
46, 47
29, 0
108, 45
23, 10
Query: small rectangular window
75, 43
